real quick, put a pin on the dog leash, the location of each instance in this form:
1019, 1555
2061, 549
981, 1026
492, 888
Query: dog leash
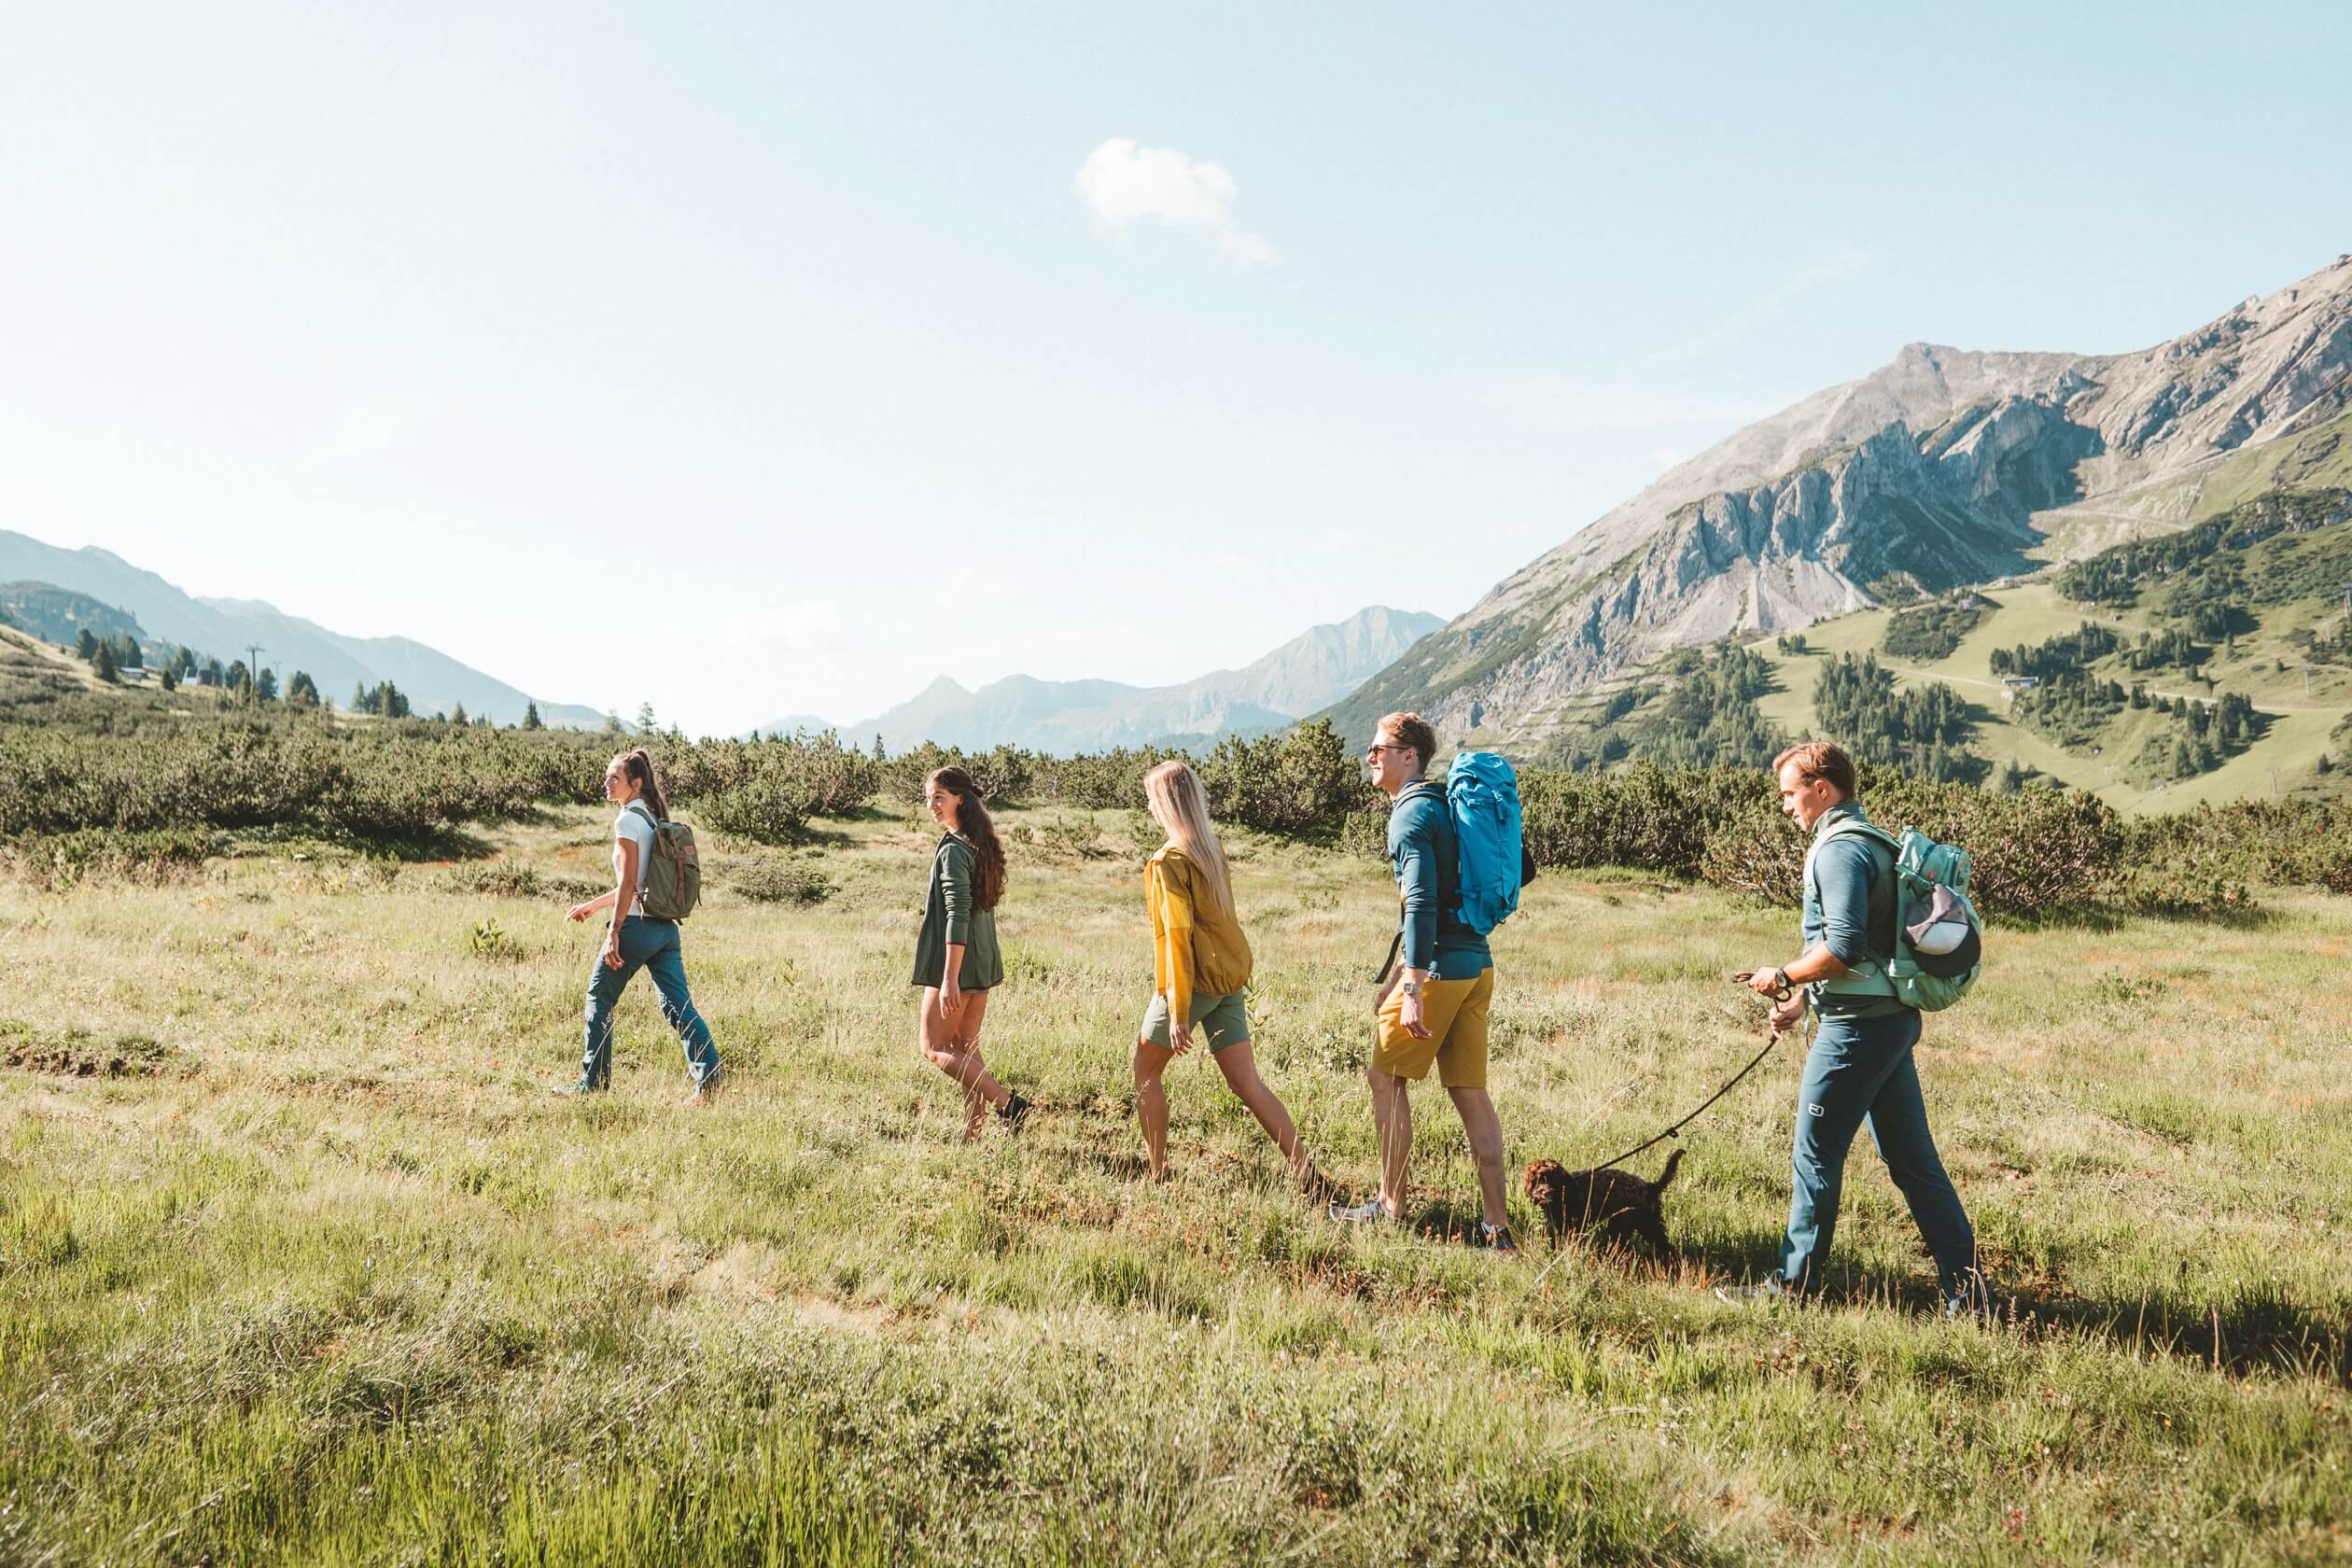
1781, 995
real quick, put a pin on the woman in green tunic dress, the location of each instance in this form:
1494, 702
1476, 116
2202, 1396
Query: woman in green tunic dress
957, 961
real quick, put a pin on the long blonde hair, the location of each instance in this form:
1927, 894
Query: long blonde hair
1179, 805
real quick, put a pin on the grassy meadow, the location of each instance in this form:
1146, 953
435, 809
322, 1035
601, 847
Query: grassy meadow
299, 1260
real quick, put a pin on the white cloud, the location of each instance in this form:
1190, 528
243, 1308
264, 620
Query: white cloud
1125, 183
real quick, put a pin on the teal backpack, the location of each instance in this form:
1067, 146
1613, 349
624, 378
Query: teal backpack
1939, 940
1482, 798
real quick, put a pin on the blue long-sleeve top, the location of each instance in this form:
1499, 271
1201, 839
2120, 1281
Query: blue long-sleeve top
1422, 847
1850, 905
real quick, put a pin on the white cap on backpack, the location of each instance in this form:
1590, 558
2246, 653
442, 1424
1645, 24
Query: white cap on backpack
1945, 927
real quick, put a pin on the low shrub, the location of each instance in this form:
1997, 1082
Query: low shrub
2034, 852
782, 879
152, 856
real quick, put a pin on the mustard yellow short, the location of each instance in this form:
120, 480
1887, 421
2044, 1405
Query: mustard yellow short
1455, 1013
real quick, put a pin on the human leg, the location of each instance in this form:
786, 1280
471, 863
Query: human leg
665, 963
1462, 1068
1150, 1103
605, 985
1239, 1066
1393, 1127
1483, 1126
1842, 1074
951, 1043
1898, 1128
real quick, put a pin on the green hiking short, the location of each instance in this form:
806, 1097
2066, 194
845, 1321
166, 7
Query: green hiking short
1217, 1021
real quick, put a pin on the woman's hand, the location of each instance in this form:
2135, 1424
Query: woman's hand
950, 996
581, 911
612, 950
1179, 1038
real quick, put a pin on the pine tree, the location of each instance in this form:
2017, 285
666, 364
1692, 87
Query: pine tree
235, 675
530, 716
170, 676
613, 724
102, 662
647, 724
458, 714
362, 700
184, 659
86, 645
301, 691
265, 689
127, 653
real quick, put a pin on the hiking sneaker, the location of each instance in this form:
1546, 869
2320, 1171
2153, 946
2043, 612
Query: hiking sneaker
1495, 1238
708, 1090
1763, 1294
1014, 1111
1969, 1298
585, 1086
1371, 1212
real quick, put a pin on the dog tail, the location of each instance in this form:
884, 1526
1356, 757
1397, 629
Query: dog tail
1667, 1174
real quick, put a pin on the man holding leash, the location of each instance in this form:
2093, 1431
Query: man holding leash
1432, 1010
1859, 1068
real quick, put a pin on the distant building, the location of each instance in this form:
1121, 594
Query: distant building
2012, 684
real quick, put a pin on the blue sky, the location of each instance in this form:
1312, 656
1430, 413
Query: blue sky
762, 359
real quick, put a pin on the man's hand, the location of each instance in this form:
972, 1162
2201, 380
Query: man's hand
1410, 1016
1768, 982
1787, 1015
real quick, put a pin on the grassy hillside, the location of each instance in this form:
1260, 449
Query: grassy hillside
2301, 727
310, 1267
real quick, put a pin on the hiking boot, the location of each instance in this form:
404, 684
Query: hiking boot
1495, 1238
1372, 1213
1969, 1298
1014, 1111
1763, 1294
708, 1090
585, 1086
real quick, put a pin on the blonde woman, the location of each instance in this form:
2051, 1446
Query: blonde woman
1201, 963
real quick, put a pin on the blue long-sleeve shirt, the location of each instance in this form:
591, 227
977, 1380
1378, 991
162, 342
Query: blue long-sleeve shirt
1850, 905
1422, 847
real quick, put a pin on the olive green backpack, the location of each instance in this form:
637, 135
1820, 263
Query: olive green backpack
672, 875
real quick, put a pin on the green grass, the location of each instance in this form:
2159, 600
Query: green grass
333, 1278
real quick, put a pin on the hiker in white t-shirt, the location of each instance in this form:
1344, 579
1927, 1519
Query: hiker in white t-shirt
635, 941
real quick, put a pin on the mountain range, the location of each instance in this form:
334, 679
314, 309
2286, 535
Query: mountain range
1946, 467
227, 628
1311, 671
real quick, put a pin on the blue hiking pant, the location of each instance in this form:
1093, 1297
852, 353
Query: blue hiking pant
1861, 1069
653, 946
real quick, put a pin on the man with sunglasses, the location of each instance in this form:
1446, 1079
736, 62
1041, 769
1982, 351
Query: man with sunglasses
1432, 1010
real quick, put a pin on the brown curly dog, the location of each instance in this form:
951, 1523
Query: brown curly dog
1618, 1205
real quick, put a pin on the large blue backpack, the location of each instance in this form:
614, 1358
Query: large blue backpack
1482, 798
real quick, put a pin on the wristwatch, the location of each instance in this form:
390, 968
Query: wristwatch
1409, 987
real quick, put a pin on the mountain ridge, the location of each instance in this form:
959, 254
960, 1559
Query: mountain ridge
1940, 468
225, 628
1270, 692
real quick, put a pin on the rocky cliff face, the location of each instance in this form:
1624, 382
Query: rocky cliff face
1943, 468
